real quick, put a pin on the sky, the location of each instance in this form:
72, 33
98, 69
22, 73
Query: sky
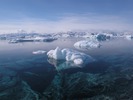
65, 15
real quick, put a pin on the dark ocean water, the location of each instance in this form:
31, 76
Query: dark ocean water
114, 59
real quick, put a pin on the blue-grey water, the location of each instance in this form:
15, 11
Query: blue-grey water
113, 60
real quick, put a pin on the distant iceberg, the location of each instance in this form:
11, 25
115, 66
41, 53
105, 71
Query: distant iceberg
99, 36
76, 57
39, 39
39, 52
103, 36
129, 37
32, 39
87, 44
17, 40
13, 41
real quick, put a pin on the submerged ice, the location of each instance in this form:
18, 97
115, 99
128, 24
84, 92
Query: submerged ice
76, 57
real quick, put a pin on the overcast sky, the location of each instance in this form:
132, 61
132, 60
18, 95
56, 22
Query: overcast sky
65, 15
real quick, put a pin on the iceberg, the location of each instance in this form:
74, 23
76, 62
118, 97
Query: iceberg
17, 40
103, 37
31, 39
13, 41
39, 52
70, 55
129, 37
49, 39
86, 44
99, 36
39, 39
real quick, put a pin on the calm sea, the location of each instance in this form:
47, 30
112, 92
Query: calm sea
39, 73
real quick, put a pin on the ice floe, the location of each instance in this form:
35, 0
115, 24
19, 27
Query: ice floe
86, 44
49, 37
39, 52
129, 37
103, 36
76, 57
32, 39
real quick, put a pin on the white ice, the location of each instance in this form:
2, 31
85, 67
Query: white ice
87, 44
129, 37
39, 52
76, 57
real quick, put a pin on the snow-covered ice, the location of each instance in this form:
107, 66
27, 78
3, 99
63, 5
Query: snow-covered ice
39, 52
38, 39
100, 36
76, 57
129, 37
103, 36
13, 41
87, 44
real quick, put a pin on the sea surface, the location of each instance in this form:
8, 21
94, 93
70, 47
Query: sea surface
113, 66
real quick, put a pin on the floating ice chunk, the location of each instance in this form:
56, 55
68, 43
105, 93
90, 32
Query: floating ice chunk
87, 44
56, 54
25, 40
50, 53
129, 37
76, 57
13, 41
99, 36
103, 36
38, 39
49, 39
39, 52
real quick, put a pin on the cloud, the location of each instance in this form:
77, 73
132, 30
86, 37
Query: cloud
82, 22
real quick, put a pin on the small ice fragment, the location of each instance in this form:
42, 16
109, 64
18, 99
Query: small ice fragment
39, 52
